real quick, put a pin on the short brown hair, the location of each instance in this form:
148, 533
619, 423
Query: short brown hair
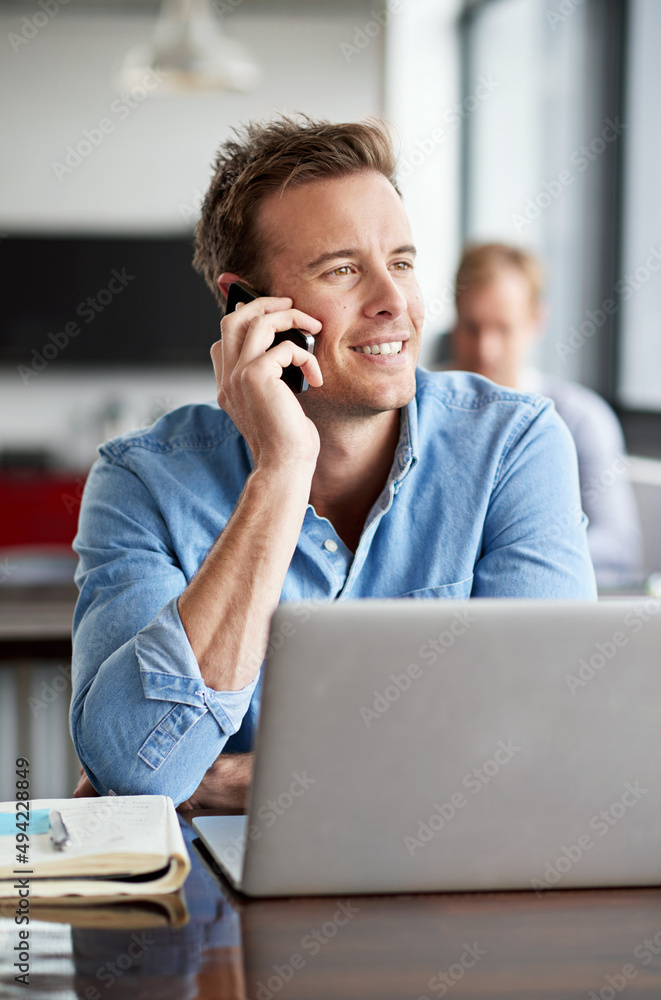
481, 262
272, 156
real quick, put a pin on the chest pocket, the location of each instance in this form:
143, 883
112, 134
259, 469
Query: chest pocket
461, 589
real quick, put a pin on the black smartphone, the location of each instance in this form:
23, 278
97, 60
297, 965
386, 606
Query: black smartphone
291, 375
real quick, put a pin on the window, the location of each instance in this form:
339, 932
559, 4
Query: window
565, 161
640, 345
540, 159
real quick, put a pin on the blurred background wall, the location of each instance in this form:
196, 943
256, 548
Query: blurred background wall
502, 111
145, 179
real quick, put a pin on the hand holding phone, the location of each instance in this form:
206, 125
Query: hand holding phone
293, 376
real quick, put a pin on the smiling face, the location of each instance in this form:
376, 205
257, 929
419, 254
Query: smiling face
342, 249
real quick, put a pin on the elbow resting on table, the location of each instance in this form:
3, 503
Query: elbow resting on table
120, 758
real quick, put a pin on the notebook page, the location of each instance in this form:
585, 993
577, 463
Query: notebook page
120, 824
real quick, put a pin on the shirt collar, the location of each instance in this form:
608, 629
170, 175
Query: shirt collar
407, 452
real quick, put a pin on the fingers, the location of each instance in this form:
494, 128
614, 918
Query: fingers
247, 338
234, 326
249, 382
268, 366
262, 329
84, 789
249, 331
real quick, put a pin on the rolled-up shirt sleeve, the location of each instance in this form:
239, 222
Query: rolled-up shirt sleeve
143, 721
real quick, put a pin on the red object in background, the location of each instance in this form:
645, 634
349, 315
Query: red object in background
39, 508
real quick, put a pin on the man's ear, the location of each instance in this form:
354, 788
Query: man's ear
225, 280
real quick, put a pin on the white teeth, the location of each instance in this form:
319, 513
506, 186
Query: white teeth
394, 347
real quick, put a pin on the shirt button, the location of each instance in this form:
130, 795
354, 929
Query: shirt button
330, 545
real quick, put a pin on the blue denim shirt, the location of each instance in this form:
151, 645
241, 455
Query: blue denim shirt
482, 501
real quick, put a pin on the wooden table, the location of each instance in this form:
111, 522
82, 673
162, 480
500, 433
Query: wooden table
510, 946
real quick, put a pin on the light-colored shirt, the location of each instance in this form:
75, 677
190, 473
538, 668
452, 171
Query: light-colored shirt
614, 532
482, 501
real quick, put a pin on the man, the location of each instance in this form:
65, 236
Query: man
379, 481
499, 319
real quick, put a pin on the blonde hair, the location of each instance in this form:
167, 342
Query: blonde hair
481, 262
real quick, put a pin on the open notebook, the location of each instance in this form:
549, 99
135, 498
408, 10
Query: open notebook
120, 845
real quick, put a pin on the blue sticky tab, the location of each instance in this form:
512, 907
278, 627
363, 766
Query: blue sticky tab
38, 822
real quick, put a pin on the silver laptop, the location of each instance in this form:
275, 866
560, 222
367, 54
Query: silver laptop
411, 746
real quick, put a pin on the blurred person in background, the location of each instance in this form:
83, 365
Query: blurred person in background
500, 317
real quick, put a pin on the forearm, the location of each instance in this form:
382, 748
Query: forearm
225, 785
227, 607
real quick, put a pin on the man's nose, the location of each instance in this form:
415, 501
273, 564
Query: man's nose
385, 296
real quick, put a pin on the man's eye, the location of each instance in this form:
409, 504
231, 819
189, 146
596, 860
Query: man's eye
342, 269
403, 265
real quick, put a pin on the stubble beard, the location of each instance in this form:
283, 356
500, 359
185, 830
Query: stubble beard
351, 406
